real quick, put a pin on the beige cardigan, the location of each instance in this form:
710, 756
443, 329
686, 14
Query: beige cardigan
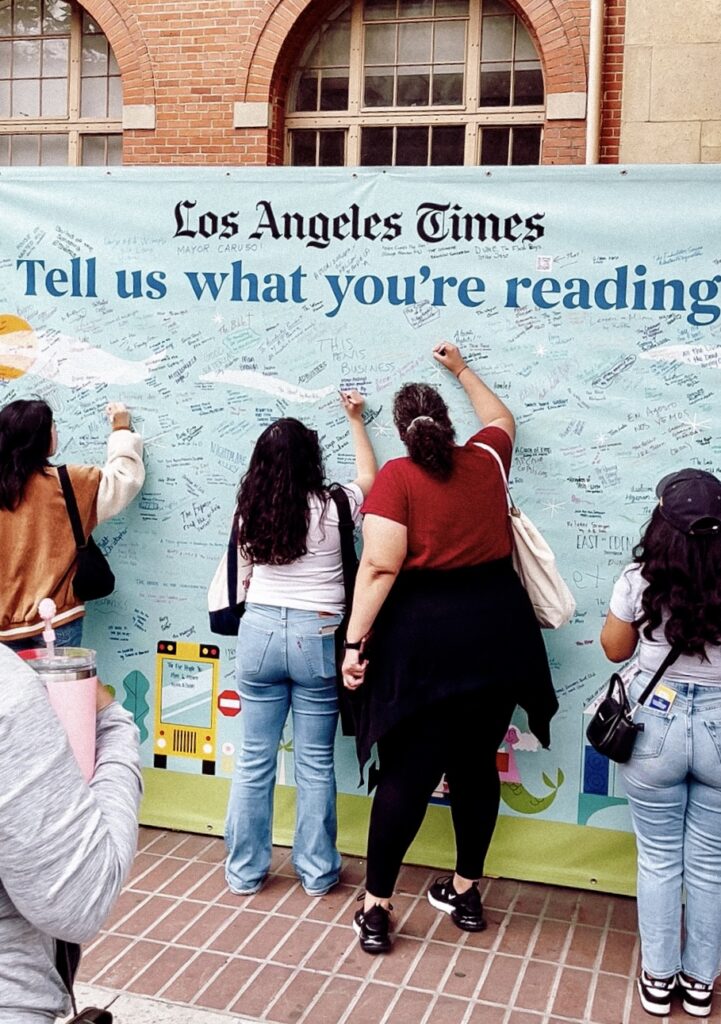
37, 548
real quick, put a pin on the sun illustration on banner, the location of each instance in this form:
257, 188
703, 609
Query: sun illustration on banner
18, 346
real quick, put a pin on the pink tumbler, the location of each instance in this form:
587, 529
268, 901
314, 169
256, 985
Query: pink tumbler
71, 680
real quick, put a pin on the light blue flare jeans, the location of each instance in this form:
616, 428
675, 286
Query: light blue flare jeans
673, 784
285, 662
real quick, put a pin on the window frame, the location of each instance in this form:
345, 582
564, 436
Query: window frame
73, 127
469, 114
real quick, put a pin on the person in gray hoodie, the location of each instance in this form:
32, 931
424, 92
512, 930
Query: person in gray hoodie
66, 846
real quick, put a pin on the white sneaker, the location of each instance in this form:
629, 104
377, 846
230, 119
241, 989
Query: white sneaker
696, 995
655, 993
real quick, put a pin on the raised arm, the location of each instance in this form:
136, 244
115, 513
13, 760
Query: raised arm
123, 473
488, 407
365, 460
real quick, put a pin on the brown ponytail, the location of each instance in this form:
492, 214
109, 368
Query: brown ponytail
421, 417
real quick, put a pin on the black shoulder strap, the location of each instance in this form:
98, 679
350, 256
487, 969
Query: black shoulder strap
72, 506
347, 545
233, 561
667, 662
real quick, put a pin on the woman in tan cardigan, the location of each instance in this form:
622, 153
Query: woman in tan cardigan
37, 547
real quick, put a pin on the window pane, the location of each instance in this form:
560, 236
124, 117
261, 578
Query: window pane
447, 87
95, 55
450, 41
447, 145
415, 8
93, 150
26, 19
4, 150
5, 65
115, 150
93, 100
24, 150
54, 98
378, 10
115, 98
113, 68
457, 7
413, 86
526, 145
53, 150
412, 147
303, 148
331, 149
56, 17
414, 43
497, 39
88, 24
527, 86
307, 95
55, 58
4, 99
495, 7
5, 30
26, 58
333, 92
26, 98
494, 146
380, 44
525, 50
495, 88
335, 48
376, 147
378, 90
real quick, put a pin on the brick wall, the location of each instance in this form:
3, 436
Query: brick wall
193, 59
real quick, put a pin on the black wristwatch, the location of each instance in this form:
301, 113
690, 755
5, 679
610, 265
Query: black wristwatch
348, 646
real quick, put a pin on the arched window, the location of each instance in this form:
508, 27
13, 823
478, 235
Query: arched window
60, 88
417, 82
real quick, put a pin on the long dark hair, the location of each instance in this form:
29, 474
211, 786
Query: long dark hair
285, 469
683, 573
25, 439
421, 417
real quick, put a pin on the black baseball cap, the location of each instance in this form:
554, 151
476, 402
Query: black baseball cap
690, 500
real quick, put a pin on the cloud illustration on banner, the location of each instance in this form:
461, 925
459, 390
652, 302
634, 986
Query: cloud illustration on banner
270, 385
64, 359
690, 355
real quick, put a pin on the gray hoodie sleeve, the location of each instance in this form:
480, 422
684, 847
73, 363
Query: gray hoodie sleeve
66, 846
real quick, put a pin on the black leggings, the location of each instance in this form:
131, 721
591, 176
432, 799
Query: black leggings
458, 736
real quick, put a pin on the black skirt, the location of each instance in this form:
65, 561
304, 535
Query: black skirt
442, 633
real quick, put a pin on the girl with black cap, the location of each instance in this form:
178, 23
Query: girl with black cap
669, 599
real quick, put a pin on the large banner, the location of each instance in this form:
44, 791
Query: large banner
213, 301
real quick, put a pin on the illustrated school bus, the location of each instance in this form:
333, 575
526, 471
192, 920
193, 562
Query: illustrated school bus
186, 677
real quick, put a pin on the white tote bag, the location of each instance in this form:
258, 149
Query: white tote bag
535, 564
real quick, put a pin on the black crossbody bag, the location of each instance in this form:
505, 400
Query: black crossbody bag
93, 576
612, 730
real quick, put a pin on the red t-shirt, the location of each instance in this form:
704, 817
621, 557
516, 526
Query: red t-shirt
451, 523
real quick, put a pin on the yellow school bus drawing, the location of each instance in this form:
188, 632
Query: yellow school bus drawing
186, 688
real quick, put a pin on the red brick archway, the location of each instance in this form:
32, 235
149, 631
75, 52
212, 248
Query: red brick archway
120, 24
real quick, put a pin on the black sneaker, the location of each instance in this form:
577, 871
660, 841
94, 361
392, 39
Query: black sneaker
655, 993
696, 995
465, 908
373, 928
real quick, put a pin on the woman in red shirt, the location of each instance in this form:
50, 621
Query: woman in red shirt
454, 643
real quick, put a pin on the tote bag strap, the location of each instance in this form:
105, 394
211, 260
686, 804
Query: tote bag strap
72, 506
487, 448
232, 561
347, 546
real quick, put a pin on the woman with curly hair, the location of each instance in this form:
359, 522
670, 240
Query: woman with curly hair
289, 533
669, 598
443, 638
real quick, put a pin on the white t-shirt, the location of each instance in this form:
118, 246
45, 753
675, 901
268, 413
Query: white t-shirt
315, 580
626, 605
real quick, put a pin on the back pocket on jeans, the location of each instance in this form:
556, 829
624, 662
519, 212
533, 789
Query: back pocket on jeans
253, 644
319, 653
650, 741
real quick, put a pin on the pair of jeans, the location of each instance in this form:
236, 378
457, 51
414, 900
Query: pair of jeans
673, 785
285, 662
70, 635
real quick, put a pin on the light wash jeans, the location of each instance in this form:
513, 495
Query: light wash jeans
673, 784
70, 635
285, 661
